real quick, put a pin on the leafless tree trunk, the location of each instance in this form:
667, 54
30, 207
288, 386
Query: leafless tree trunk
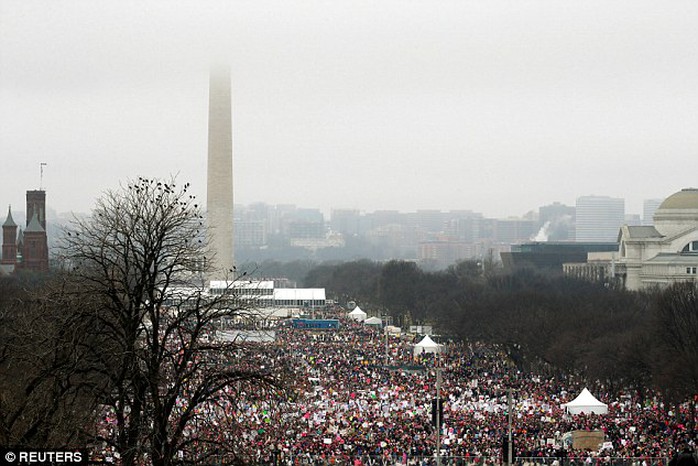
141, 258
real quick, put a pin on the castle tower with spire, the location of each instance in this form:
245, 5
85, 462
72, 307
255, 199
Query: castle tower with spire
27, 250
219, 186
35, 246
36, 204
9, 244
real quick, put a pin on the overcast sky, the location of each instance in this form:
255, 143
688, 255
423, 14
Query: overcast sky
494, 106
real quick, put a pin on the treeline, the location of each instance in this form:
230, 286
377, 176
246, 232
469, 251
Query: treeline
623, 339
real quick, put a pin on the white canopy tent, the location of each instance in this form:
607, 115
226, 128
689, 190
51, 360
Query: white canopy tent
585, 403
373, 321
357, 314
427, 345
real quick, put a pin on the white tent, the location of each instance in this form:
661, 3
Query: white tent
357, 314
585, 403
427, 345
373, 321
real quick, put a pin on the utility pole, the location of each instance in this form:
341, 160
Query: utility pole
438, 413
509, 445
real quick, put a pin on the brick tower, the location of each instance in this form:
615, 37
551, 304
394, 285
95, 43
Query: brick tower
36, 202
34, 247
9, 242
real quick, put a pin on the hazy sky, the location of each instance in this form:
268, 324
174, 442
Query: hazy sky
494, 106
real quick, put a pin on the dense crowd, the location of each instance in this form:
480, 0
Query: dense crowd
364, 401
360, 394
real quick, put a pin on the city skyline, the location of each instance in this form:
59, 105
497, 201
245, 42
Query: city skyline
19, 211
497, 107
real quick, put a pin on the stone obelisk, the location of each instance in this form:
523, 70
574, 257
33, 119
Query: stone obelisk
219, 192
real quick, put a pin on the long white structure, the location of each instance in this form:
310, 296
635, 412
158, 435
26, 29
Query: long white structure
219, 192
263, 294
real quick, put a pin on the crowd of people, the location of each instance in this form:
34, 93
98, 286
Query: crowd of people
362, 401
357, 395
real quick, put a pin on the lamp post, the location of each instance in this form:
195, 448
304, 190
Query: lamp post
438, 413
386, 321
509, 445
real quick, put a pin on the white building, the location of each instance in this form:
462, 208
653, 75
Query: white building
263, 294
665, 252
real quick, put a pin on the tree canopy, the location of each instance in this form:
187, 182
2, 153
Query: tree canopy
142, 260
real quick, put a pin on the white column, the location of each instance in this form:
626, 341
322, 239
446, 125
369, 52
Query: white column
219, 196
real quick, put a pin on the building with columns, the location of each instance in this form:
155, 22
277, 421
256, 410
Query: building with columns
665, 252
660, 254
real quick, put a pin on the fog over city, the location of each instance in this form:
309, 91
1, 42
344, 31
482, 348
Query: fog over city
494, 106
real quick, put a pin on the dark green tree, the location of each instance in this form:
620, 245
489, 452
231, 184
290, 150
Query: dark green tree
399, 288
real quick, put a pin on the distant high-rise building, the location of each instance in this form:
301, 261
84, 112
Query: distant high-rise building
431, 220
464, 226
441, 254
632, 219
250, 233
381, 218
649, 206
345, 221
219, 192
513, 230
599, 218
556, 222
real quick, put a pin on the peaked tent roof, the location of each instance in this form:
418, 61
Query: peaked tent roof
585, 403
373, 321
426, 345
357, 314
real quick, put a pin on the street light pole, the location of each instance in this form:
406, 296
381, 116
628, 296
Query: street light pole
509, 446
438, 414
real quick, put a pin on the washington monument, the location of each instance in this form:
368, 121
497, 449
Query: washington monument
219, 187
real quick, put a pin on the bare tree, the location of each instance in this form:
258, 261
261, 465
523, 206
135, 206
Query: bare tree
46, 388
141, 259
676, 331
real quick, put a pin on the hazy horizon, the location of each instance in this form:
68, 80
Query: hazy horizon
18, 211
499, 107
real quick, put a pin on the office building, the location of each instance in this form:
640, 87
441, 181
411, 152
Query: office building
649, 207
598, 218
